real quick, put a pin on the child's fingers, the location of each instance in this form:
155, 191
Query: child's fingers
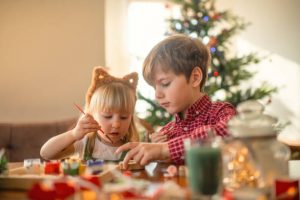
89, 122
158, 138
90, 125
149, 153
138, 156
144, 160
163, 138
130, 155
157, 134
127, 146
89, 130
87, 115
88, 119
153, 136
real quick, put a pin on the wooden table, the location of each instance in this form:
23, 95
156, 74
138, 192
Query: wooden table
155, 176
13, 194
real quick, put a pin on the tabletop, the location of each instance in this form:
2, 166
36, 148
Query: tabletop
155, 173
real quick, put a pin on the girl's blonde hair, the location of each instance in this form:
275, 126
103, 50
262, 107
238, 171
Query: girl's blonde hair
111, 94
116, 97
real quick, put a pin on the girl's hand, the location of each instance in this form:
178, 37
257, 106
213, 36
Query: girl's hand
158, 137
143, 153
85, 124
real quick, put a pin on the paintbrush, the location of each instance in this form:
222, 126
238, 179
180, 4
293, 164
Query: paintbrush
81, 110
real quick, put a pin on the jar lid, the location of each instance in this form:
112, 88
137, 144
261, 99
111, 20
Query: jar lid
251, 122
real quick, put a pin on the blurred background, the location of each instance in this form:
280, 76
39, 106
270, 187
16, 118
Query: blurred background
48, 49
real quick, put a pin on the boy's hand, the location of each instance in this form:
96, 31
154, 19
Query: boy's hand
143, 153
85, 124
158, 137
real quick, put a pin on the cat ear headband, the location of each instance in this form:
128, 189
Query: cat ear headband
101, 77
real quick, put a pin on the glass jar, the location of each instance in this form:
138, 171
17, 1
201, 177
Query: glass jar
204, 163
253, 157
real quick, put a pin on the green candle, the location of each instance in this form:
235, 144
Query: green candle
205, 169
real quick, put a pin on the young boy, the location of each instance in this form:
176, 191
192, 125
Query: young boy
177, 69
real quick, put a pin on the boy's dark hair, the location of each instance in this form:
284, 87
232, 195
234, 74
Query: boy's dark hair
178, 53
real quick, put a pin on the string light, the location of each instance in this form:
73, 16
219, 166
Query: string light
213, 49
240, 170
194, 22
205, 40
205, 18
178, 26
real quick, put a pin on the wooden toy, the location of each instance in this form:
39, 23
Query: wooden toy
132, 165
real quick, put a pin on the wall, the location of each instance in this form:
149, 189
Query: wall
274, 32
275, 25
47, 51
49, 47
116, 46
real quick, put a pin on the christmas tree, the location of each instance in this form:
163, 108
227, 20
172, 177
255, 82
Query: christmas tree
200, 19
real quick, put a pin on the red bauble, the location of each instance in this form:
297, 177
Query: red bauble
216, 16
212, 42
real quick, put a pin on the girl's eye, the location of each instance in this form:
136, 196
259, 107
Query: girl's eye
124, 117
107, 116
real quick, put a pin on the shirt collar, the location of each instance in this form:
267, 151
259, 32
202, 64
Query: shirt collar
201, 106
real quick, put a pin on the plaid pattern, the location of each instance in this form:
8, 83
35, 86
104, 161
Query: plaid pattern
201, 116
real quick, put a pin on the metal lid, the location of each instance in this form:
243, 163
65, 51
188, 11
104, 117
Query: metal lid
251, 122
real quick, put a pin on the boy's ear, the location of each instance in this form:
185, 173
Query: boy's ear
196, 77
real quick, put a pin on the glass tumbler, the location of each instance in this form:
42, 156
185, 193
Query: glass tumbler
204, 162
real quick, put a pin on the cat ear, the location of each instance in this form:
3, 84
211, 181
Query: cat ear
100, 76
132, 79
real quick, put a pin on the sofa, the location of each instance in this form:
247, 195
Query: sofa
24, 140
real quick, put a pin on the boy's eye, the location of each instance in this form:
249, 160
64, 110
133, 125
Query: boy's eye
107, 116
165, 84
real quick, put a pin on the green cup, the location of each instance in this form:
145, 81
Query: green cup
204, 163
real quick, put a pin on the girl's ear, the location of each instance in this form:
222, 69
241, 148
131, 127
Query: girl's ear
196, 77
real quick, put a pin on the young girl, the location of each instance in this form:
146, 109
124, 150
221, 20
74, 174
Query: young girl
108, 121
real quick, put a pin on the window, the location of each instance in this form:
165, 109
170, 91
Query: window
144, 30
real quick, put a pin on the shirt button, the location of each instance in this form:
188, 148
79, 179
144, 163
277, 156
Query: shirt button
197, 112
185, 129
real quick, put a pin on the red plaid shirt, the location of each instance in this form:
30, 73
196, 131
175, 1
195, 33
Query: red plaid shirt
200, 117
